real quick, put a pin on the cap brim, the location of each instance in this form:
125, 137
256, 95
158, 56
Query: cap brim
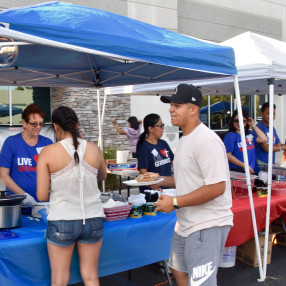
168, 99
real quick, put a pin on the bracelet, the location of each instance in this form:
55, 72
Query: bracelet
253, 126
280, 148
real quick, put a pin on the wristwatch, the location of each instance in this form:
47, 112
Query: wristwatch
280, 148
175, 204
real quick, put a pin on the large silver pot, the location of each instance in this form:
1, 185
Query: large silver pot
10, 216
10, 210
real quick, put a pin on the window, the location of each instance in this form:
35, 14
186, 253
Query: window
20, 98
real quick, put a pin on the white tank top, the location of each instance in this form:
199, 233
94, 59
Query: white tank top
74, 189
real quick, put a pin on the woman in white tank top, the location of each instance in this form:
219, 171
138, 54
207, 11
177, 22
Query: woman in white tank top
67, 175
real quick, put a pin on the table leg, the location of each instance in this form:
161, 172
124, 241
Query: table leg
167, 272
128, 189
119, 185
282, 220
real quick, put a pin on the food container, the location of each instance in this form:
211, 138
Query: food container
10, 210
136, 211
278, 188
149, 209
117, 213
262, 191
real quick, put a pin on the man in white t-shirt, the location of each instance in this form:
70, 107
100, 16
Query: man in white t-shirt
203, 202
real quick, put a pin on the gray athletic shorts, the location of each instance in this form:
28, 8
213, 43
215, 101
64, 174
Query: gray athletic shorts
199, 254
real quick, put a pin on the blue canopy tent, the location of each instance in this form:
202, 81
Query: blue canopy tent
77, 46
222, 106
58, 44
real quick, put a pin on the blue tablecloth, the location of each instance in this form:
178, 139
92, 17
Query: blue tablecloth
127, 244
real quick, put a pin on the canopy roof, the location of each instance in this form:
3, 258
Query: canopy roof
77, 46
258, 58
219, 107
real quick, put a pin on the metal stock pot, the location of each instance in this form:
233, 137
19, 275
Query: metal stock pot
10, 210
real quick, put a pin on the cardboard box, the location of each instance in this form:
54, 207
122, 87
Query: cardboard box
281, 239
110, 161
247, 252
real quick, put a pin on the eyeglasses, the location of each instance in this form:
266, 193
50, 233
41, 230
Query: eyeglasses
35, 124
161, 126
237, 121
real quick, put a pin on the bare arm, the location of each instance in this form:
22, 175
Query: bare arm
9, 182
276, 148
200, 196
43, 176
168, 182
233, 160
261, 136
283, 160
120, 131
143, 171
102, 173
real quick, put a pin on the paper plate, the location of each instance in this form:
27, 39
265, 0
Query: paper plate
134, 183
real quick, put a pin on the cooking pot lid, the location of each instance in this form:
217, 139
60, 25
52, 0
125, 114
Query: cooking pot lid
11, 200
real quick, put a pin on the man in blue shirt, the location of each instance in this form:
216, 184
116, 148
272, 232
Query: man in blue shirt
262, 148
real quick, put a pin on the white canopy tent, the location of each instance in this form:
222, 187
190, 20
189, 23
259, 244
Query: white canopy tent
261, 66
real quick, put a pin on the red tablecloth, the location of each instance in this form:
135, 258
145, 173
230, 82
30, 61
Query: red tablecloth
243, 227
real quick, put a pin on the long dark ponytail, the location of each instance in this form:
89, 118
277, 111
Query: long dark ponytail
134, 123
67, 119
149, 121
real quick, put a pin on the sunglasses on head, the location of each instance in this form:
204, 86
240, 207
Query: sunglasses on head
237, 121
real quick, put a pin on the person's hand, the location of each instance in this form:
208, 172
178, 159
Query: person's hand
251, 171
29, 202
157, 186
114, 121
250, 121
165, 204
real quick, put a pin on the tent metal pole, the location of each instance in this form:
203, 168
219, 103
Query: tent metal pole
10, 105
246, 169
270, 160
99, 129
99, 120
231, 104
103, 110
209, 111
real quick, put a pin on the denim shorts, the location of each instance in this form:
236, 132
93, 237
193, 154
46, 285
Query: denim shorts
67, 232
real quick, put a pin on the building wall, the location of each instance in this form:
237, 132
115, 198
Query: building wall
84, 102
220, 20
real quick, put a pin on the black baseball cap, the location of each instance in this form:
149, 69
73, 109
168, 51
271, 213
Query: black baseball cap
185, 93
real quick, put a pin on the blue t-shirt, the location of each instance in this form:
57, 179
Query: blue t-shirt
21, 159
233, 144
261, 155
155, 158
